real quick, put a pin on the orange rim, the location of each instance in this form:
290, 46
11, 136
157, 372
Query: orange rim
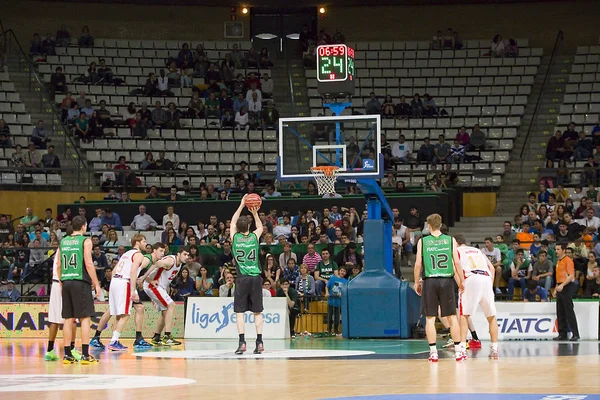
327, 170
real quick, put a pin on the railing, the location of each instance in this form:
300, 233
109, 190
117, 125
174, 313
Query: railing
19, 61
286, 54
525, 154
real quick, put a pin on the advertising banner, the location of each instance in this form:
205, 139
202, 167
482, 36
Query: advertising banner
30, 320
523, 321
213, 318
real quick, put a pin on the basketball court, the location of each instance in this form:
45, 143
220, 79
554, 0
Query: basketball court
314, 368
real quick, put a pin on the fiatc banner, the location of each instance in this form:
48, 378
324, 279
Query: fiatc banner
213, 318
30, 320
523, 321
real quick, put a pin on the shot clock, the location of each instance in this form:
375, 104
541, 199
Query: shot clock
335, 70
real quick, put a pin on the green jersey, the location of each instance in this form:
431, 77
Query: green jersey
71, 253
326, 271
437, 256
245, 250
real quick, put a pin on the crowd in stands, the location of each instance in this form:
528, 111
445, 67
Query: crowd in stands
524, 253
570, 147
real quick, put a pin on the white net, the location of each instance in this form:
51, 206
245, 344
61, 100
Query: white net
326, 178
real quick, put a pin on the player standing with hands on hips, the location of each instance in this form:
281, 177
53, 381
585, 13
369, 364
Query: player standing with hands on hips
248, 285
77, 273
437, 255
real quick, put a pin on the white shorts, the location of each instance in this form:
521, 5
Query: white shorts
55, 305
119, 297
159, 296
478, 291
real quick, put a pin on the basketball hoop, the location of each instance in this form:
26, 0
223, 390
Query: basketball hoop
326, 176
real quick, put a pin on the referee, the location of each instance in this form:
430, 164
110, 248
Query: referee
564, 291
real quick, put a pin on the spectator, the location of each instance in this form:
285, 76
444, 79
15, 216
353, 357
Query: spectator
429, 106
143, 221
512, 50
112, 219
401, 151
311, 258
534, 293
184, 57
373, 106
254, 108
239, 102
520, 272
171, 217
159, 115
236, 56
32, 158
86, 40
416, 106
497, 48
457, 153
477, 139
324, 270
58, 81
403, 110
10, 294
241, 118
173, 195
293, 304
333, 292
338, 37
5, 141
103, 116
270, 117
63, 37
270, 191
266, 86
99, 260
204, 284
196, 106
583, 147
87, 108
463, 136
162, 84
228, 289
173, 116
426, 152
228, 70
36, 45
441, 151
82, 128
50, 160
389, 110
251, 58
105, 73
309, 56
39, 135
212, 106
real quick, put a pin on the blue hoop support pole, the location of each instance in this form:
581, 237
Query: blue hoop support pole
378, 246
337, 109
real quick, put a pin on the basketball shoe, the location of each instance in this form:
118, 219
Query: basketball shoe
474, 344
142, 344
87, 360
259, 348
51, 356
97, 344
460, 356
69, 360
76, 354
169, 341
117, 346
241, 348
433, 357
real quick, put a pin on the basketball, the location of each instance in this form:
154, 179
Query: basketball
253, 200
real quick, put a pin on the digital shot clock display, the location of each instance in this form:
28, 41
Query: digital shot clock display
335, 69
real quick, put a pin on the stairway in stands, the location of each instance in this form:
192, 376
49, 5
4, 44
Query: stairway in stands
521, 174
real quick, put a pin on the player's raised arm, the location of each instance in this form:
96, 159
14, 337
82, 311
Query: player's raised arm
259, 225
89, 265
236, 216
418, 266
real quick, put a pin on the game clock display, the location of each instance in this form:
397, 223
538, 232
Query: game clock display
335, 69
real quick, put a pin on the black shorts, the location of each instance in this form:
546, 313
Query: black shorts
248, 294
77, 300
438, 292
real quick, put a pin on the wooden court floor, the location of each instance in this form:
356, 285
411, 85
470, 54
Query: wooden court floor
316, 368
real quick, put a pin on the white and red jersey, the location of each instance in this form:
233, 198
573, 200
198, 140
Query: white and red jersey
166, 276
123, 268
54, 270
472, 259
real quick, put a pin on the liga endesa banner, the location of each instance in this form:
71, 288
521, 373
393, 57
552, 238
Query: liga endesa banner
523, 321
213, 318
30, 320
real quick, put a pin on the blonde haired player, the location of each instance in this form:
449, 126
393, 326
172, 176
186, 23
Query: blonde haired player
123, 294
478, 273
156, 285
437, 258
55, 318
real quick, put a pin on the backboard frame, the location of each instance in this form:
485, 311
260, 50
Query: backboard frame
377, 173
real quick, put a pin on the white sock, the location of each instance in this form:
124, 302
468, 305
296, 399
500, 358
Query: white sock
458, 347
433, 349
115, 337
494, 346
